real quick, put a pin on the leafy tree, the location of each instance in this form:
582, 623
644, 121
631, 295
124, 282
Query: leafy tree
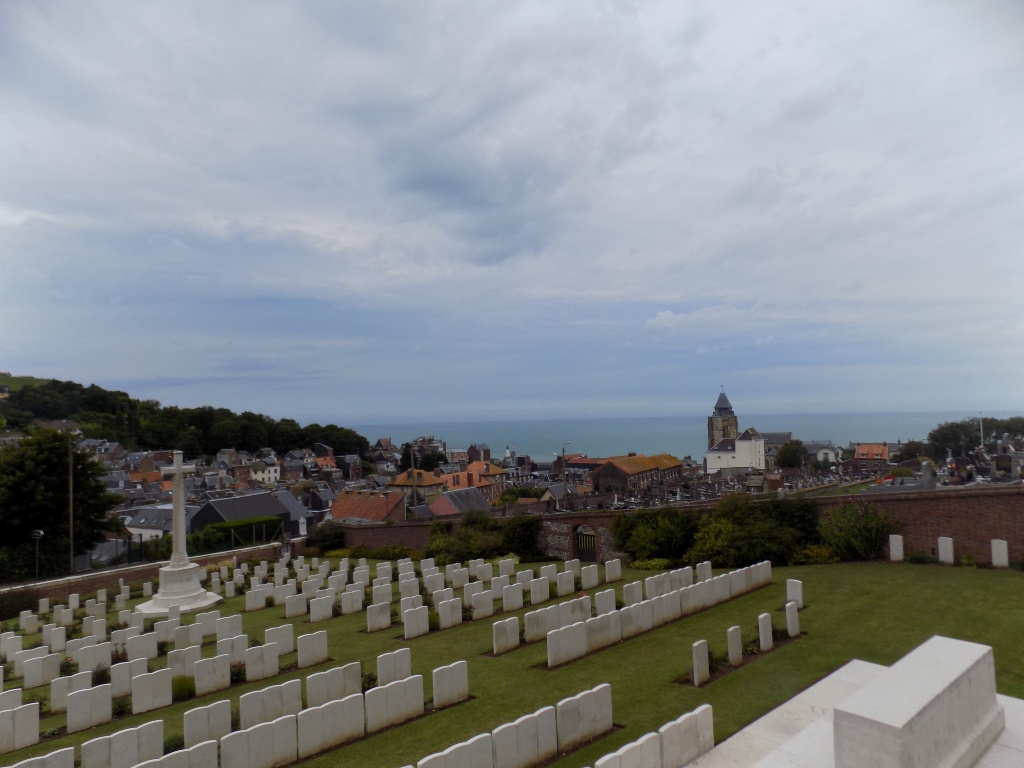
791, 454
912, 449
655, 533
34, 495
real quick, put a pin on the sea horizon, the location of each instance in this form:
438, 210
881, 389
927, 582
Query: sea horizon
680, 436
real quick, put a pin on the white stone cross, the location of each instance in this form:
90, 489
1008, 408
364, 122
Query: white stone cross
179, 556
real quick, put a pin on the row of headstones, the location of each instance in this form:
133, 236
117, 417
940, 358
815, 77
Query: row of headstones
535, 738
734, 642
573, 641
28, 621
675, 745
415, 616
91, 706
1000, 550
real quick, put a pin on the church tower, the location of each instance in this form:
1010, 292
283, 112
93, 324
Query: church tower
722, 424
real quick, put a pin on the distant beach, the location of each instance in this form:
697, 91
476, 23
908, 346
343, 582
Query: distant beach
678, 435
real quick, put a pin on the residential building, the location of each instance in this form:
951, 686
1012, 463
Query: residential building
369, 505
733, 456
870, 457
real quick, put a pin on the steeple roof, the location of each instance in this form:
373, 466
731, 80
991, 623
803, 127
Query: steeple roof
723, 407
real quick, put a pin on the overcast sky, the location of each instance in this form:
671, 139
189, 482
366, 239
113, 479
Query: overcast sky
373, 211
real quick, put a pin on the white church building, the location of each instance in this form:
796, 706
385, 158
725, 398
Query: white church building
730, 452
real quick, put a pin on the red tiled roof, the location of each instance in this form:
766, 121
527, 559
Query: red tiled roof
369, 505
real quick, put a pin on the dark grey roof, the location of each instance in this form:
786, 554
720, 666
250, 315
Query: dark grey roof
467, 500
723, 407
267, 504
776, 438
727, 445
750, 434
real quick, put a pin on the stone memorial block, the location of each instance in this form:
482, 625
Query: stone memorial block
212, 674
21, 657
764, 631
11, 699
539, 591
612, 571
449, 613
381, 594
483, 605
527, 740
632, 593
285, 740
504, 746
1000, 554
334, 684
190, 634
19, 727
295, 605
409, 587
460, 578
89, 707
235, 647
630, 621
433, 583
416, 622
28, 622
58, 641
75, 645
41, 670
485, 572
498, 583
524, 577
395, 665
181, 662
507, 567
147, 589
312, 649
701, 664
99, 630
407, 603
472, 588
935, 706
438, 597
10, 643
351, 601
946, 550
229, 626
119, 602
209, 723
378, 617
792, 620
505, 635
566, 644
337, 581
602, 631
165, 630
376, 702
142, 646
320, 609
255, 599
734, 643
795, 592
121, 675
405, 565
151, 690
589, 577
451, 684
549, 572
512, 598
565, 583
59, 689
361, 575
94, 656
262, 662
895, 547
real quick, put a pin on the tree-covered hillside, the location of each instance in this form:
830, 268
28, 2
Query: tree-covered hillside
145, 424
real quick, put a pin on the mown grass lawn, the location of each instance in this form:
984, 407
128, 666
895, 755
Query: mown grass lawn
876, 612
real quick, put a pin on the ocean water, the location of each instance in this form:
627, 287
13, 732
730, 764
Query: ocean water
679, 435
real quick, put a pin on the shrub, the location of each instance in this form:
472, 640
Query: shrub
100, 675
651, 564
118, 654
68, 667
163, 647
921, 558
237, 672
121, 706
174, 743
467, 612
857, 531
433, 621
326, 536
815, 554
183, 688
369, 680
14, 601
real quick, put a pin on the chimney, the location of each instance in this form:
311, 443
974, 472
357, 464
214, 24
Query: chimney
469, 478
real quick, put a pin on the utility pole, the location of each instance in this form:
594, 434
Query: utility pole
71, 506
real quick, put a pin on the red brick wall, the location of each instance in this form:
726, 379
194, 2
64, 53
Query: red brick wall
971, 517
411, 534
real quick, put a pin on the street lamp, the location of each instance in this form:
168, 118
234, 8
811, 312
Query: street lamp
37, 535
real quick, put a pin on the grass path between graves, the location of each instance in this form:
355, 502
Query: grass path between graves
876, 612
